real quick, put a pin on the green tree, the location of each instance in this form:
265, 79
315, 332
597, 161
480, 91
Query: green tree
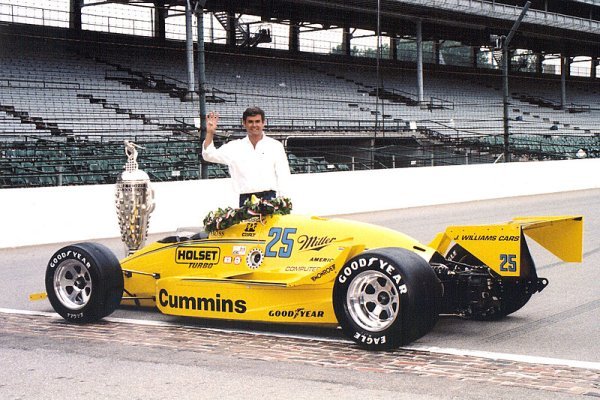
524, 61
364, 52
372, 52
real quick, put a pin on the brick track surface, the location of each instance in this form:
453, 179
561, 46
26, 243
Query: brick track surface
309, 351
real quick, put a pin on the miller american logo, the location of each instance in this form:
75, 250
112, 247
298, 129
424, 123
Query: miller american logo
197, 256
314, 242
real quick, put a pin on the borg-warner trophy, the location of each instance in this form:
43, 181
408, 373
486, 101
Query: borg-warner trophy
134, 201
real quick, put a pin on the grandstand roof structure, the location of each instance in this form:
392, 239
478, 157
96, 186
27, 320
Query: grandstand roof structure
550, 26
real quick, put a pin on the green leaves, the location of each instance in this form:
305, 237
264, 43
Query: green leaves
224, 218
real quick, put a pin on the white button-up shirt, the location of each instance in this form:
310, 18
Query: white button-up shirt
253, 169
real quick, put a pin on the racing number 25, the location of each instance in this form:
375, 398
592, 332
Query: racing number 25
285, 249
508, 262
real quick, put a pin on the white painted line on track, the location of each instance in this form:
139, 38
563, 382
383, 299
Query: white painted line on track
431, 349
507, 357
27, 312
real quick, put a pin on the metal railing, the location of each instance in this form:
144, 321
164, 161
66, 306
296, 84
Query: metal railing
439, 103
40, 84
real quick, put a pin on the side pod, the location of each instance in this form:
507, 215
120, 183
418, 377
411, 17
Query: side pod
503, 248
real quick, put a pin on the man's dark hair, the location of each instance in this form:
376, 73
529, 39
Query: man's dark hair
252, 111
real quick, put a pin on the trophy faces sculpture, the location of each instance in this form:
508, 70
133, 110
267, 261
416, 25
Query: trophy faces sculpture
134, 201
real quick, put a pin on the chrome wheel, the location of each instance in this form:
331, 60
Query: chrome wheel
373, 301
73, 284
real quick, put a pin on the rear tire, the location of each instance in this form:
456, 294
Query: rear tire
385, 298
84, 282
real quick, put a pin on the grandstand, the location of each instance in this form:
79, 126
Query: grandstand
70, 95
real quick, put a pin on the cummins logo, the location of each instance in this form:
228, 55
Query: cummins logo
213, 304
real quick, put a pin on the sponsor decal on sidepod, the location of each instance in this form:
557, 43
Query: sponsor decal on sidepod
297, 313
212, 304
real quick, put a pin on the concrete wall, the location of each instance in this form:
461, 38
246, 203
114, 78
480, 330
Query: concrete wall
76, 213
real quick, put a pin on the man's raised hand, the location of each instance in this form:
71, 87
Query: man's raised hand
212, 121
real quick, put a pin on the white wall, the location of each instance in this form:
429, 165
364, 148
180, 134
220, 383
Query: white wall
75, 213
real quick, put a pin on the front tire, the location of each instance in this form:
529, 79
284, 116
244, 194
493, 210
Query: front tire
385, 298
84, 282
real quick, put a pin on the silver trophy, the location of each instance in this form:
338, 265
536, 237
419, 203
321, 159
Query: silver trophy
134, 201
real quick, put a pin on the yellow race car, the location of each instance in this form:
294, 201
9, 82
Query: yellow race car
383, 288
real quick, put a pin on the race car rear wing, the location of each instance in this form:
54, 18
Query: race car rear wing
502, 247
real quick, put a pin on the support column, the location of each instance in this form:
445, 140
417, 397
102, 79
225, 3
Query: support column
506, 57
394, 48
212, 27
564, 66
231, 21
372, 153
346, 40
436, 52
189, 47
539, 64
201, 88
160, 14
294, 39
594, 65
475, 55
75, 15
420, 60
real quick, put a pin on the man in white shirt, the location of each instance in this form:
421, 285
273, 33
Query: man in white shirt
257, 163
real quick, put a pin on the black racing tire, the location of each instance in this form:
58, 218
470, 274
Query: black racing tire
84, 282
385, 298
513, 293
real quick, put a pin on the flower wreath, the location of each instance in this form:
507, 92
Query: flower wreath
253, 207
